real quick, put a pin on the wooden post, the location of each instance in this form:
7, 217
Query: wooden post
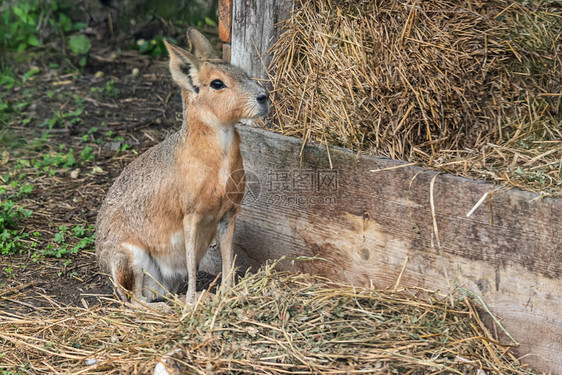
253, 32
225, 27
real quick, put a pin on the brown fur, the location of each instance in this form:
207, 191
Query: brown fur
163, 211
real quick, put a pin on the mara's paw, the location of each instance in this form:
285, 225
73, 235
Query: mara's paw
199, 297
168, 365
162, 307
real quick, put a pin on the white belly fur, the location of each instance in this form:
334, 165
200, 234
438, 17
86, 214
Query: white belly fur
173, 263
169, 266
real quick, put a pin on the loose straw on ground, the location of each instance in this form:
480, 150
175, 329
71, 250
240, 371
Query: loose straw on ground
271, 323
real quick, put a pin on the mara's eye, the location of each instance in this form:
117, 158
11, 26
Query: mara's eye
217, 84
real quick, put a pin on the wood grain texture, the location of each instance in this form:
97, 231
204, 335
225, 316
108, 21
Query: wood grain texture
225, 20
369, 225
226, 52
253, 32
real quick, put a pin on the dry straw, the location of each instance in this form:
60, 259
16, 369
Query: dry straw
469, 87
270, 323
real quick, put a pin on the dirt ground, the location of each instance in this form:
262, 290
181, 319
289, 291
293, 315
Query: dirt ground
106, 109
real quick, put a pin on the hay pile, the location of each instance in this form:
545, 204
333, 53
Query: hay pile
469, 87
270, 323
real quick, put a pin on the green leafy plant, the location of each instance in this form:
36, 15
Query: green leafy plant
152, 47
9, 271
18, 25
80, 46
121, 140
67, 242
11, 218
90, 132
9, 372
7, 81
25, 189
87, 154
59, 118
7, 78
5, 109
49, 164
30, 73
111, 89
23, 24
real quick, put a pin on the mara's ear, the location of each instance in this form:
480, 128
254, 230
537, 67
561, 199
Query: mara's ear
200, 45
183, 66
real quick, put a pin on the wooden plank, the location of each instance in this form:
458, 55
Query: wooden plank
253, 32
370, 225
226, 52
225, 20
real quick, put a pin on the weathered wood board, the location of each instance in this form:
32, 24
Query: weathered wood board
368, 226
253, 32
225, 20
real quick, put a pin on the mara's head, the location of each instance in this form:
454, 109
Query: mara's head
223, 92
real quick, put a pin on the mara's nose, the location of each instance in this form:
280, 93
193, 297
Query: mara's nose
262, 98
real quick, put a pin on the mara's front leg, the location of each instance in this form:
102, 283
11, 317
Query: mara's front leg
192, 248
226, 234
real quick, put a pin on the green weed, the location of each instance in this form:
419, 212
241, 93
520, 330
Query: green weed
123, 146
30, 73
90, 132
60, 247
7, 78
9, 271
80, 46
9, 372
87, 154
111, 89
12, 217
153, 47
22, 25
59, 118
50, 163
19, 24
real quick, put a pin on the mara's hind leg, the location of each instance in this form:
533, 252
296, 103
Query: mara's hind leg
137, 279
127, 280
138, 297
149, 282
